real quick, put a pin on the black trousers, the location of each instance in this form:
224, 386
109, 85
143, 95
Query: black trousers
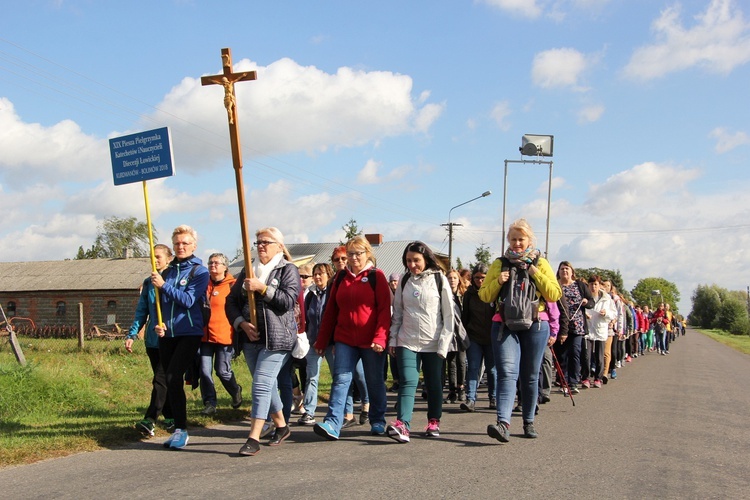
159, 403
177, 354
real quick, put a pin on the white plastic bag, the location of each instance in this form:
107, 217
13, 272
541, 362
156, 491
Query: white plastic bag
301, 346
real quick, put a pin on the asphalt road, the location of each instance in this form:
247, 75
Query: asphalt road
670, 426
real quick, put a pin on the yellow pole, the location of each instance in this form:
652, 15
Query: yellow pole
151, 248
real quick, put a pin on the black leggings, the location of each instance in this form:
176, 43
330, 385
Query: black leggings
159, 403
177, 354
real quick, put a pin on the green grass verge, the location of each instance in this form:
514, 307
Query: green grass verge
737, 342
66, 401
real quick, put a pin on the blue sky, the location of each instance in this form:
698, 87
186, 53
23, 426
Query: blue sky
391, 113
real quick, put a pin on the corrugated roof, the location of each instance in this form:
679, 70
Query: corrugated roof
85, 274
387, 254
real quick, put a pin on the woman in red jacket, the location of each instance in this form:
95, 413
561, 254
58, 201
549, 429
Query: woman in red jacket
358, 317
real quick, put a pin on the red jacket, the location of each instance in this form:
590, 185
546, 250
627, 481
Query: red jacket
355, 314
219, 330
659, 315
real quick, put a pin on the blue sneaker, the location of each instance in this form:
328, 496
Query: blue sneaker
168, 442
179, 439
613, 375
326, 430
377, 429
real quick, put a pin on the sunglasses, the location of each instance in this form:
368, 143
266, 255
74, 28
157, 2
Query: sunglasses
305, 276
339, 259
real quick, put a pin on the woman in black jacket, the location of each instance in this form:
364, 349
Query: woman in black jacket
476, 317
275, 290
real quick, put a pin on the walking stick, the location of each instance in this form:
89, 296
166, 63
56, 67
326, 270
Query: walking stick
563, 380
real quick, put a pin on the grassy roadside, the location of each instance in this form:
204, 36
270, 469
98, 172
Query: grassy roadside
67, 401
739, 343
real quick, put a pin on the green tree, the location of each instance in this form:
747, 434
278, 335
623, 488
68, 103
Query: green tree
643, 294
114, 235
483, 255
706, 304
459, 264
605, 274
350, 231
732, 316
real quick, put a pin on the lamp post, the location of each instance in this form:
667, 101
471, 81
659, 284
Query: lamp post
655, 292
537, 146
451, 224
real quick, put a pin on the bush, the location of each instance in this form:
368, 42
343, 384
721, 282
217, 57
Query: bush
731, 312
740, 326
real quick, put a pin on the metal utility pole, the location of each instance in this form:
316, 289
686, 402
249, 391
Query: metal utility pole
450, 226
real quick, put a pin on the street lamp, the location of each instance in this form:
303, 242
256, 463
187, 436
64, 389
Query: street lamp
537, 146
451, 224
655, 292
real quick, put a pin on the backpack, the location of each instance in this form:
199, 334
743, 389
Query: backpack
205, 304
370, 277
518, 298
438, 281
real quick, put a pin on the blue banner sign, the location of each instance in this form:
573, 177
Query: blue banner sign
142, 156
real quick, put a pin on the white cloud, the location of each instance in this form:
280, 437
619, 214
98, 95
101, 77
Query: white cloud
292, 108
562, 67
590, 114
369, 173
557, 10
500, 113
524, 8
727, 141
50, 154
718, 42
647, 185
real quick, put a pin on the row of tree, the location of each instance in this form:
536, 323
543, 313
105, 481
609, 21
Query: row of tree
716, 307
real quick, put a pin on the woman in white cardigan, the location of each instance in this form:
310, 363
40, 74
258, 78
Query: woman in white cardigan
421, 333
598, 319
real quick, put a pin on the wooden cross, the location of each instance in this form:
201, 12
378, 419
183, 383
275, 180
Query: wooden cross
227, 80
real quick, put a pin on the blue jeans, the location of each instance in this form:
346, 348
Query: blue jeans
518, 354
221, 358
264, 366
474, 355
284, 379
344, 364
314, 362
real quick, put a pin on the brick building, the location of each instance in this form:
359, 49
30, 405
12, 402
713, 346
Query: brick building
49, 292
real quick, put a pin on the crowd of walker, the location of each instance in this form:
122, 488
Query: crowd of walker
452, 327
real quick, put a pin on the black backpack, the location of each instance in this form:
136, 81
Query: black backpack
370, 277
518, 298
205, 303
438, 281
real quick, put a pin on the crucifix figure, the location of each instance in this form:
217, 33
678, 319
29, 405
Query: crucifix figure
227, 80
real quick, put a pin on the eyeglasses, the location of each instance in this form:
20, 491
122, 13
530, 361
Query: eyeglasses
264, 243
305, 276
479, 277
339, 259
183, 243
355, 254
214, 263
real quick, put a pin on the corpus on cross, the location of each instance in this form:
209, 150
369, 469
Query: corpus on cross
227, 79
